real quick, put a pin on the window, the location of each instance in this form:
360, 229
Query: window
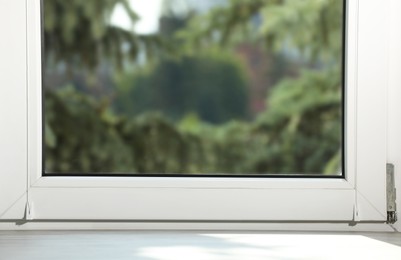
238, 88
199, 199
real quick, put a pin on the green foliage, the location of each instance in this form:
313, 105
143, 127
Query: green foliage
82, 139
278, 141
159, 147
198, 84
311, 26
80, 33
302, 122
287, 22
78, 138
300, 131
304, 130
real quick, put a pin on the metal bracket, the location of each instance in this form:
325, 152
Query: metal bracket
28, 211
391, 195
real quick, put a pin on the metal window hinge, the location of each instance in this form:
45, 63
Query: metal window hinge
391, 195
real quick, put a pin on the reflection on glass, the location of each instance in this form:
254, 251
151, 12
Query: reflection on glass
217, 87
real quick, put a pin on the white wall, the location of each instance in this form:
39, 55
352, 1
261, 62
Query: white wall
13, 106
394, 101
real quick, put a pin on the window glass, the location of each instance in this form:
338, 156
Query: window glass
190, 87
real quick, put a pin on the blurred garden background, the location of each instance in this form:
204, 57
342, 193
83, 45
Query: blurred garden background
193, 86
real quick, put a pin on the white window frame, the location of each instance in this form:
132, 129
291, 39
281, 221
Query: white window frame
361, 196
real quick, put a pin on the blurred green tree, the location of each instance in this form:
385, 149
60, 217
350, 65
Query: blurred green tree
80, 138
302, 122
214, 86
300, 131
80, 33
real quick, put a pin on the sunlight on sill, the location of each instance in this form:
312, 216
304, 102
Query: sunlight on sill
274, 246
